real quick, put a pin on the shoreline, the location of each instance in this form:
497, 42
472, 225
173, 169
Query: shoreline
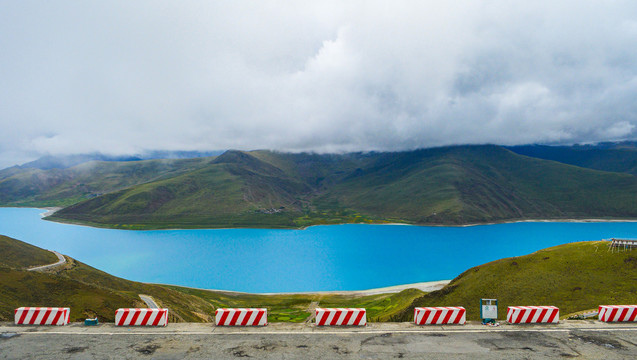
427, 286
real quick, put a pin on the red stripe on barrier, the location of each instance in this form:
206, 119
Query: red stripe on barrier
611, 317
359, 317
136, 314
531, 315
46, 316
449, 313
323, 318
146, 317
543, 314
553, 315
461, 314
634, 315
246, 318
520, 316
233, 321
23, 316
436, 316
337, 314
36, 312
57, 317
122, 319
348, 315
222, 321
259, 316
622, 315
160, 315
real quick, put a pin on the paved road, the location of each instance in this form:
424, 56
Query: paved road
61, 261
149, 301
575, 339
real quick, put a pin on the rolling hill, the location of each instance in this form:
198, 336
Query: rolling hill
90, 292
574, 277
451, 185
615, 157
31, 186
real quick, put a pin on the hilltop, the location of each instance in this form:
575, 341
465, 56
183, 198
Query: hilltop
451, 186
440, 186
574, 277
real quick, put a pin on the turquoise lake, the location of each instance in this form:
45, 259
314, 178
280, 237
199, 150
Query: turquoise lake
335, 257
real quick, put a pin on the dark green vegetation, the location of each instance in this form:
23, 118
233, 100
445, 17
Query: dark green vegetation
60, 187
615, 157
573, 277
90, 292
451, 185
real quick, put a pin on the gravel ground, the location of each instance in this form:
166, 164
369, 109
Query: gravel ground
569, 339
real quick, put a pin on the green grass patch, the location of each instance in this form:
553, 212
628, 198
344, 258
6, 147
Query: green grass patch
574, 277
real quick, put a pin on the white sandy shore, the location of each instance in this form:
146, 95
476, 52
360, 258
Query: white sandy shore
49, 211
424, 286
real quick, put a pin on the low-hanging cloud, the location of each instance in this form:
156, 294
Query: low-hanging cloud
124, 77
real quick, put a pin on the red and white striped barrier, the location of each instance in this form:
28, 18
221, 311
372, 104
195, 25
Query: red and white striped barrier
42, 316
341, 316
241, 317
533, 314
141, 317
440, 315
608, 313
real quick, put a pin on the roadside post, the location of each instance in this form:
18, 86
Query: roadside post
488, 310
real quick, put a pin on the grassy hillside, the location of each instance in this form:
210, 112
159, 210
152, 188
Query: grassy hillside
619, 158
62, 187
90, 292
573, 277
451, 185
18, 255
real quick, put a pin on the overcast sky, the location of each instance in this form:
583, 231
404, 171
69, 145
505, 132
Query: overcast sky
125, 77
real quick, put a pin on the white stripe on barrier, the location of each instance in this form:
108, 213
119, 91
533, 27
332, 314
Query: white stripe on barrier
241, 317
533, 314
341, 316
141, 317
440, 315
42, 316
614, 313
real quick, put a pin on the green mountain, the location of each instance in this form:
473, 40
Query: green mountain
615, 157
451, 185
29, 186
574, 277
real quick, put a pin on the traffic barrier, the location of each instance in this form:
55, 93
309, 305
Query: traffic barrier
608, 313
241, 317
42, 316
141, 317
341, 316
440, 315
533, 314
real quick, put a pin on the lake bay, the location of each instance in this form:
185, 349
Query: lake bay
320, 258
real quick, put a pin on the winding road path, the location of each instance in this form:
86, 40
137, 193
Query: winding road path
61, 261
149, 301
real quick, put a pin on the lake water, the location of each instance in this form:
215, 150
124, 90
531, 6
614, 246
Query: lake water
335, 257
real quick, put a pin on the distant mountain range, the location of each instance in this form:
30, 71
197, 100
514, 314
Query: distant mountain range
449, 185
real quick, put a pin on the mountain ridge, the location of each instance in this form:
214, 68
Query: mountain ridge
440, 186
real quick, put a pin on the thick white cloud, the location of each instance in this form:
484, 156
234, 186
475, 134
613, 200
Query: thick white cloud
123, 77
